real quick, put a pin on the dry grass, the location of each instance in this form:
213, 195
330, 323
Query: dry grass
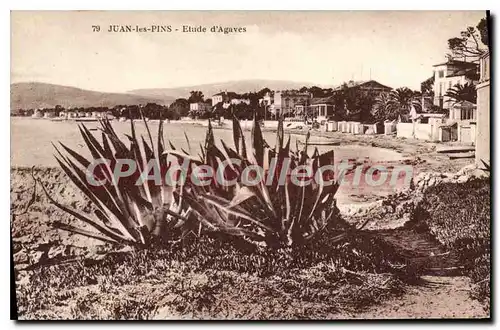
210, 279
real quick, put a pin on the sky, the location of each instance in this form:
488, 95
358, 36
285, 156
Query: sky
321, 48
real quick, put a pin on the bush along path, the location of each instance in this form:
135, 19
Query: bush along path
443, 231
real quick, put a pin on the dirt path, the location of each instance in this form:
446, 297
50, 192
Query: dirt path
436, 297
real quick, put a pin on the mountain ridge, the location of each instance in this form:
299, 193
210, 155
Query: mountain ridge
237, 86
34, 95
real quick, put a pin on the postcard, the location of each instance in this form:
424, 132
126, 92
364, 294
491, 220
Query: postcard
250, 165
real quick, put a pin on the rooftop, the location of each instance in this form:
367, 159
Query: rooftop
464, 105
457, 63
231, 95
351, 84
470, 73
322, 100
294, 93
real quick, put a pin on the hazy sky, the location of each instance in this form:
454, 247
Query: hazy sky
324, 48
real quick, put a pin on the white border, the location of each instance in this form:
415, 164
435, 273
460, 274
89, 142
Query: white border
189, 5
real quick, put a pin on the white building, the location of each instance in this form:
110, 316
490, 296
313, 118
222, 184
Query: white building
228, 98
239, 101
483, 113
37, 114
285, 101
49, 114
267, 100
447, 75
199, 106
217, 98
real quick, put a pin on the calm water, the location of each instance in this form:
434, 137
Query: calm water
31, 142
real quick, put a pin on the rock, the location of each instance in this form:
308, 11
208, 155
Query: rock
463, 179
480, 174
466, 169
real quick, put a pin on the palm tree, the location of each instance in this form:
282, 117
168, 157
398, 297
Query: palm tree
460, 93
382, 107
401, 101
389, 106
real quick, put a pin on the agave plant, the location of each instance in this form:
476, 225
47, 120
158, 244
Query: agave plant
125, 212
487, 167
271, 212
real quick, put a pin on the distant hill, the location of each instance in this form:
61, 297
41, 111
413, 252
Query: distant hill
33, 95
240, 86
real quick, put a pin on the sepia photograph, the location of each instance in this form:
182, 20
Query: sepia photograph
250, 165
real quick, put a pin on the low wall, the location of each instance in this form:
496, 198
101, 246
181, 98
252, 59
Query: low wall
483, 123
245, 124
273, 124
390, 128
416, 131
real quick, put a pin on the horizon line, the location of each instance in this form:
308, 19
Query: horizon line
130, 91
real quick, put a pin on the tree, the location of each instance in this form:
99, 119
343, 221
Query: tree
483, 31
132, 112
253, 98
359, 105
317, 91
242, 111
58, 108
180, 107
352, 104
382, 109
460, 93
472, 43
396, 103
154, 111
219, 111
195, 97
402, 99
427, 87
263, 92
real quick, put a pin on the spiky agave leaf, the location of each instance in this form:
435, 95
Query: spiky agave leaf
125, 213
487, 167
279, 214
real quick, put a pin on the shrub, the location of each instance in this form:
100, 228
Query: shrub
270, 213
458, 215
125, 213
